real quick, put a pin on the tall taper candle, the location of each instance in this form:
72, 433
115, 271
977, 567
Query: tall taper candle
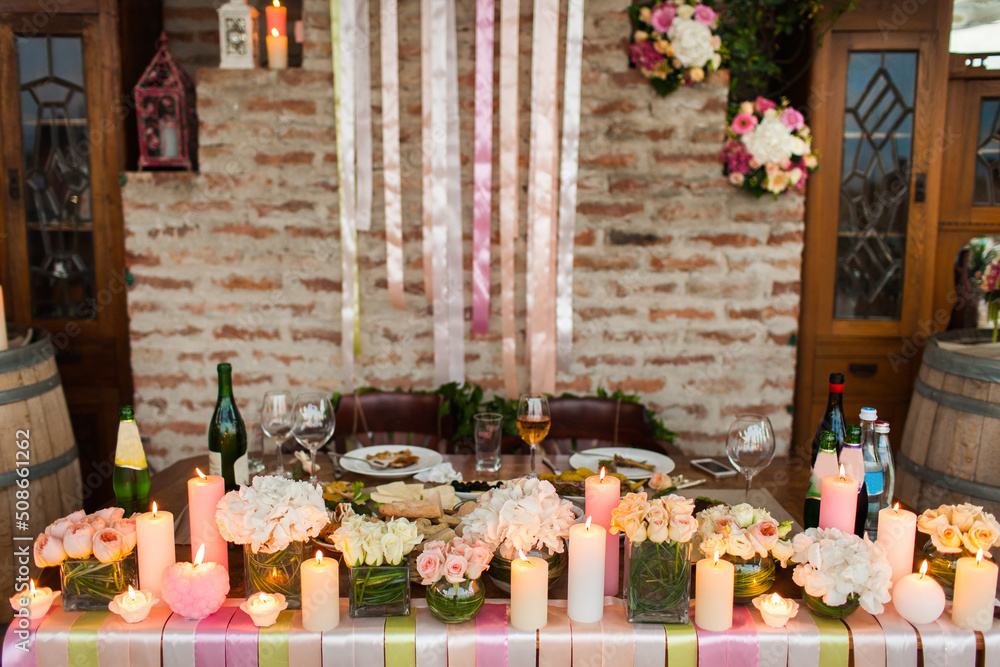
585, 590
204, 493
320, 593
975, 591
838, 502
529, 593
603, 493
155, 543
897, 530
713, 589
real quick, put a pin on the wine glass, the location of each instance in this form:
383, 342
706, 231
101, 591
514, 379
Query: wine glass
533, 422
313, 423
276, 422
750, 444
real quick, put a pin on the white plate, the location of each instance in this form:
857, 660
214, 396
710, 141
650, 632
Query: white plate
590, 457
355, 461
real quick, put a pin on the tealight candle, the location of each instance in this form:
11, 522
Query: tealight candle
195, 590
277, 50
263, 608
133, 606
320, 593
838, 502
585, 590
897, 530
33, 602
155, 541
975, 590
714, 582
204, 494
529, 592
776, 610
917, 597
603, 493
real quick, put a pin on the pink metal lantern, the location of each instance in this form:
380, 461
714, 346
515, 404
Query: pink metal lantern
164, 103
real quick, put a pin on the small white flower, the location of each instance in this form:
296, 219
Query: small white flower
692, 40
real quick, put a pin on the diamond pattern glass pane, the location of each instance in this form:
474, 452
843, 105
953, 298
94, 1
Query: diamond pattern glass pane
986, 186
875, 184
56, 161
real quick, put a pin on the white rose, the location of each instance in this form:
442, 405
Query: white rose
713, 544
770, 141
782, 551
743, 513
739, 545
799, 147
692, 41
392, 548
964, 515
685, 12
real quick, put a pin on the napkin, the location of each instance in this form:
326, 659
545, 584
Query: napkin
440, 474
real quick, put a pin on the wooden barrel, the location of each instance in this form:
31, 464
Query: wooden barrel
950, 451
39, 463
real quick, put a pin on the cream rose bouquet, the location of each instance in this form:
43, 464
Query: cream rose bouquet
271, 513
956, 531
368, 541
521, 515
742, 531
666, 519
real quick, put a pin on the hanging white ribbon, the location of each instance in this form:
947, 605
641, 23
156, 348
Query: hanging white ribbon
427, 143
510, 14
363, 108
456, 253
390, 154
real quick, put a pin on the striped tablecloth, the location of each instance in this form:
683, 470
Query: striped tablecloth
228, 638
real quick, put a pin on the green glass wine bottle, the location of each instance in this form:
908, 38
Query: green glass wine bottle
227, 436
131, 476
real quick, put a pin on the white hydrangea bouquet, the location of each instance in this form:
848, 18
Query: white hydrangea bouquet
956, 531
838, 571
369, 541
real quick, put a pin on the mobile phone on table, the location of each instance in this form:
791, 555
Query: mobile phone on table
713, 467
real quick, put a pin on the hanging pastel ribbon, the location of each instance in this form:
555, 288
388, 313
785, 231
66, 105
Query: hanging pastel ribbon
390, 154
456, 273
510, 14
363, 115
567, 184
483, 167
427, 143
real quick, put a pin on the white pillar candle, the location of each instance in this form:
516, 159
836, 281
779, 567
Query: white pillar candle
320, 593
603, 493
917, 597
838, 502
3, 324
897, 530
975, 590
585, 590
204, 494
155, 544
529, 593
277, 50
714, 582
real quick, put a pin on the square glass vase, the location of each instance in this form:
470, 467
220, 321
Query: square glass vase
382, 590
277, 572
89, 585
657, 582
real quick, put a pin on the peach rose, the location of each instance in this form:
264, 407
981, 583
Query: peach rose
109, 545
430, 567
95, 521
110, 514
964, 515
479, 560
48, 551
947, 539
59, 527
657, 522
455, 567
682, 527
79, 541
127, 528
763, 536
660, 480
982, 535
930, 521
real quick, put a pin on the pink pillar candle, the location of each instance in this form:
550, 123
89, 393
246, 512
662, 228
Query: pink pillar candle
204, 494
155, 543
603, 493
195, 590
838, 502
276, 17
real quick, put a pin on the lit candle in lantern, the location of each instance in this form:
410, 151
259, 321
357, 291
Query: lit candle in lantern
133, 606
195, 590
277, 50
529, 592
838, 502
975, 590
714, 582
263, 608
917, 597
33, 602
897, 530
277, 19
603, 493
155, 542
204, 494
587, 547
320, 593
776, 610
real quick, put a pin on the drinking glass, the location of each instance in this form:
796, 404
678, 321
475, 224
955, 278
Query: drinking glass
276, 422
533, 423
488, 434
313, 422
750, 444
255, 449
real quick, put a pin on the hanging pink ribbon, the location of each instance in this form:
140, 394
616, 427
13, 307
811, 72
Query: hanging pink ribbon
18, 650
510, 15
427, 143
491, 636
390, 154
619, 635
241, 641
210, 638
363, 114
456, 253
736, 647
483, 167
555, 640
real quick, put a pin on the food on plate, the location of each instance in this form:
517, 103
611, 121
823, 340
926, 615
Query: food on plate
474, 486
338, 492
410, 509
620, 461
400, 458
573, 482
396, 491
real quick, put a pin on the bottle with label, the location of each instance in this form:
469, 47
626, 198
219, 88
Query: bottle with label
888, 465
874, 473
131, 476
854, 466
227, 436
833, 417
826, 464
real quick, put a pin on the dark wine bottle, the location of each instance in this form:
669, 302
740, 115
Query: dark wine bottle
131, 475
833, 417
854, 466
227, 436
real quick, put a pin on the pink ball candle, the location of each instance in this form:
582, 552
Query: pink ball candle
195, 590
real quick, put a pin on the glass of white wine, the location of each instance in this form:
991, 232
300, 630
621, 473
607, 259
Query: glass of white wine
533, 423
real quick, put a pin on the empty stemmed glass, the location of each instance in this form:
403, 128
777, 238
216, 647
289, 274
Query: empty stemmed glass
276, 422
750, 444
533, 423
313, 424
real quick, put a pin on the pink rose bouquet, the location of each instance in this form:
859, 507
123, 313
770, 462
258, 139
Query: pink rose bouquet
742, 531
768, 149
456, 561
675, 43
986, 265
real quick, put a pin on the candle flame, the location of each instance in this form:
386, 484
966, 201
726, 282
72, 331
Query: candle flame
841, 471
588, 522
154, 509
265, 598
31, 587
274, 572
775, 599
200, 473
200, 556
979, 556
923, 569
131, 592
522, 556
895, 508
603, 472
274, 32
319, 557
716, 557
276, 3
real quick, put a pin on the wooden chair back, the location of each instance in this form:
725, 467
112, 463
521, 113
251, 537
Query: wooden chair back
392, 417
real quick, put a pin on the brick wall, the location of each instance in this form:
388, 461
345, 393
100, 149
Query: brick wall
686, 290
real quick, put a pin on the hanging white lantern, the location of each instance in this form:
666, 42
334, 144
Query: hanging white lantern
238, 36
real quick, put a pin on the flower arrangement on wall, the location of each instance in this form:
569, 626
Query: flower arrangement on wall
769, 148
674, 43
